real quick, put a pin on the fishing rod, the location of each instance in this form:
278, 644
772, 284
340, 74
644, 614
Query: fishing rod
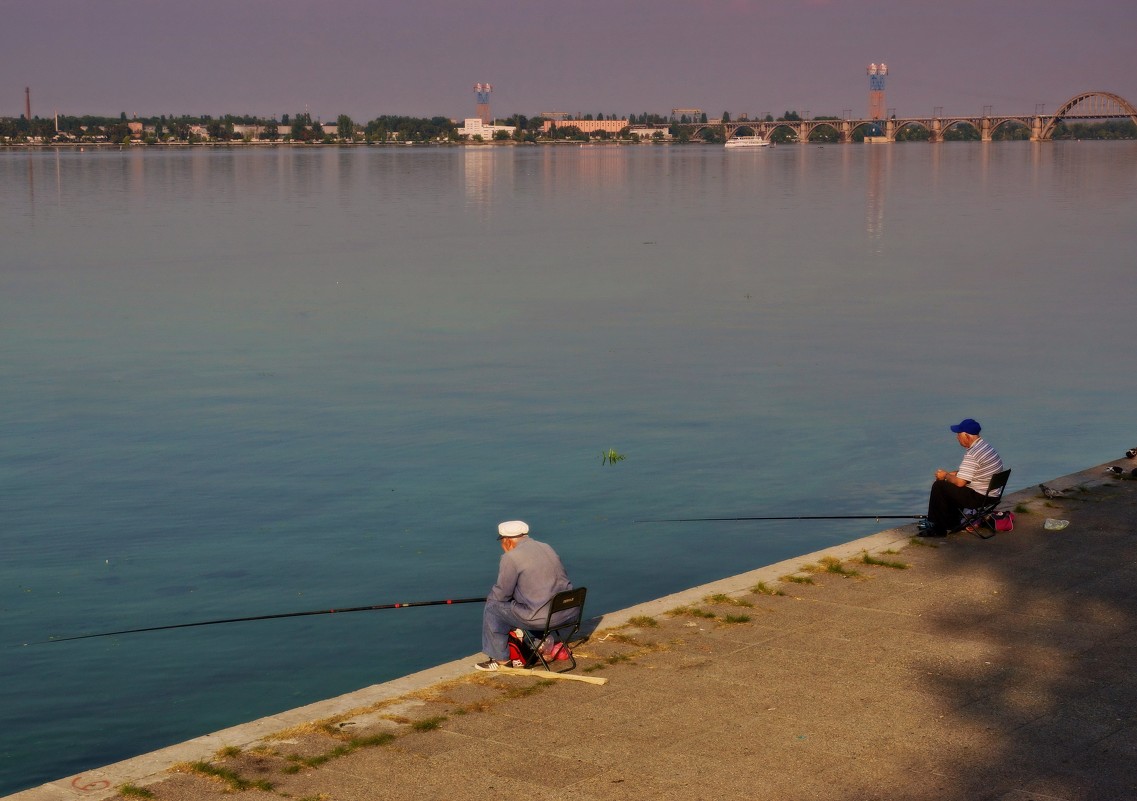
791, 517
272, 617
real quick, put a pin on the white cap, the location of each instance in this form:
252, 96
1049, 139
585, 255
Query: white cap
512, 528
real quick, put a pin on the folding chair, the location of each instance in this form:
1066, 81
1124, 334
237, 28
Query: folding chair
562, 601
973, 518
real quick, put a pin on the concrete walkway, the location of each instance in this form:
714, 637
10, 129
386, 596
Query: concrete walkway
959, 669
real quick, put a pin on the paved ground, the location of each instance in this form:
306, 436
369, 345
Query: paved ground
964, 669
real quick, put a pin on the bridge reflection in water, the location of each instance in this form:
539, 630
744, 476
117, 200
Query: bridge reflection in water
1091, 105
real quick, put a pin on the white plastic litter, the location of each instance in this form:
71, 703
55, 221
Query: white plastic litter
1055, 525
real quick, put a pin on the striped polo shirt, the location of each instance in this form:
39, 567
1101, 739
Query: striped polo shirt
978, 465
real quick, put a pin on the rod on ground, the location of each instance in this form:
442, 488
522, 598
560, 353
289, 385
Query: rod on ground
272, 617
790, 517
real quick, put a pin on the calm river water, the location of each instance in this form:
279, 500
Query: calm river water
244, 382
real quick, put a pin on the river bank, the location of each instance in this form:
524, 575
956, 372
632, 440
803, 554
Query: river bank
888, 667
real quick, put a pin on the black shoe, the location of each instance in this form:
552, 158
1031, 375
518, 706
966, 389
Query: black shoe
926, 528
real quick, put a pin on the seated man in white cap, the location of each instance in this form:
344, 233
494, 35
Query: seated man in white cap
529, 574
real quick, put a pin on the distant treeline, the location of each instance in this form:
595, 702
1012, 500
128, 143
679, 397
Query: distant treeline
300, 127
294, 127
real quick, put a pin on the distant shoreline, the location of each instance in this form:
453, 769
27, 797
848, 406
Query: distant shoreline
144, 145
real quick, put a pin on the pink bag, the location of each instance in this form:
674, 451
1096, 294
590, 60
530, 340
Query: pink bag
1002, 521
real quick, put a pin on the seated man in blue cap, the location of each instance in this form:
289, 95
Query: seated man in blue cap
529, 574
964, 488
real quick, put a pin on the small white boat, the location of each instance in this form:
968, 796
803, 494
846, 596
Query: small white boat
746, 141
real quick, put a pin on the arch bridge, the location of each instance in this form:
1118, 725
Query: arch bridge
1092, 105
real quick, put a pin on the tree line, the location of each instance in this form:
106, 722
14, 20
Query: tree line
301, 127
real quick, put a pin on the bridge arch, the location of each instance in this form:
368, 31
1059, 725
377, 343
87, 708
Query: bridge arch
1012, 122
745, 130
910, 125
972, 124
865, 127
774, 126
1091, 105
817, 127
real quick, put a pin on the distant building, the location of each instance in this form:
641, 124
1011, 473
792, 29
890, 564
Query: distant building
474, 126
587, 126
650, 131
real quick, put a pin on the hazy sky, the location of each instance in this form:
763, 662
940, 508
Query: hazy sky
421, 57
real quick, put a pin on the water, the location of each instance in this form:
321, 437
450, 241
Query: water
242, 382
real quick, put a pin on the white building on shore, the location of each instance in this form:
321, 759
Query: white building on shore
472, 126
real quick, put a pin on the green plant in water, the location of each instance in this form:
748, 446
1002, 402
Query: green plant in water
611, 456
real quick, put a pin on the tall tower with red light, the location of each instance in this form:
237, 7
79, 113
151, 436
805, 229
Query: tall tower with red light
877, 74
482, 91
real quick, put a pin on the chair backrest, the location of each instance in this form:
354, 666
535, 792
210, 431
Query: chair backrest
998, 483
567, 600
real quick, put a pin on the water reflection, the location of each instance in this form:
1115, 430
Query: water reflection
877, 158
477, 167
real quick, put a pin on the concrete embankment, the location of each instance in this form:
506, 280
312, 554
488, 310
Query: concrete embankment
889, 668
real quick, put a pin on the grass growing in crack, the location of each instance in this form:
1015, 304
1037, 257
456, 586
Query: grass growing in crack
736, 619
521, 692
922, 543
796, 579
761, 588
727, 600
428, 724
354, 744
616, 636
616, 659
831, 564
228, 777
690, 611
644, 622
474, 706
134, 791
1022, 509
869, 559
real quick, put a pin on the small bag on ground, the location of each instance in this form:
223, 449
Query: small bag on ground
519, 650
1000, 521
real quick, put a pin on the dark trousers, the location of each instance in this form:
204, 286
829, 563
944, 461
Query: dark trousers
946, 503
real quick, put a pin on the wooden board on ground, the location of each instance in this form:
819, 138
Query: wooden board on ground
548, 674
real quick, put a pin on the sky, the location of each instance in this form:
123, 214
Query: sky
365, 58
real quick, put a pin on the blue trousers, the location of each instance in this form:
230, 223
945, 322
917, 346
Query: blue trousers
498, 619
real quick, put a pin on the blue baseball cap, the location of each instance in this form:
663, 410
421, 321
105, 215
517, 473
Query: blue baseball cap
967, 426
